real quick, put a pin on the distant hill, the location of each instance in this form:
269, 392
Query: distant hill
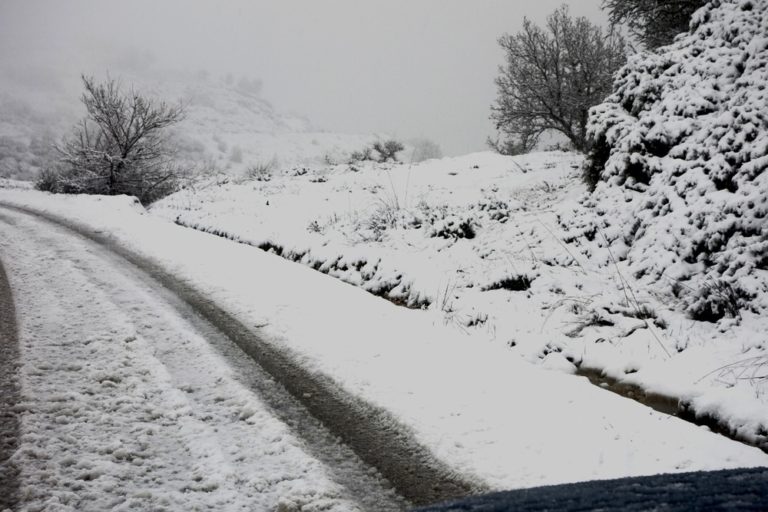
27, 134
229, 126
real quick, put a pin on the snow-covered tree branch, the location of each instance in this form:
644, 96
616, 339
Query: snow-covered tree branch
120, 147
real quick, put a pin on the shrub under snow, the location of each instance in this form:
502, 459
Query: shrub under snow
679, 163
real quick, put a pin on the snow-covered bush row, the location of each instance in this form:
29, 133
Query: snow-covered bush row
453, 226
494, 209
368, 273
15, 184
374, 226
679, 165
437, 222
443, 222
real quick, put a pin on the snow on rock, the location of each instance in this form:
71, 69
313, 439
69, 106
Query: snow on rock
681, 155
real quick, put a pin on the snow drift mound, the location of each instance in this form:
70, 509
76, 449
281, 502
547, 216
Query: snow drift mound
679, 164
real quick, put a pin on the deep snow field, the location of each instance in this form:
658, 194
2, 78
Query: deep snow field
474, 242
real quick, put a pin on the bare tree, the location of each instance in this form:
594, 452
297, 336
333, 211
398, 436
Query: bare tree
120, 147
653, 22
552, 76
388, 150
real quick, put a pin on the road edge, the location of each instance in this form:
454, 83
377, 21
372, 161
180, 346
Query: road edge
9, 396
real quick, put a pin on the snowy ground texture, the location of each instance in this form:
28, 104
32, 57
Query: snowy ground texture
502, 280
476, 241
467, 389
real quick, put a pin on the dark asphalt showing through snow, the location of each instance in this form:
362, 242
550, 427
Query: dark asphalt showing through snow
9, 394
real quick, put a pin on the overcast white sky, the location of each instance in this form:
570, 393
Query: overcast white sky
408, 67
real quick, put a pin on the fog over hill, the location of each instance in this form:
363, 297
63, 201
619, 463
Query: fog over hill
412, 69
228, 126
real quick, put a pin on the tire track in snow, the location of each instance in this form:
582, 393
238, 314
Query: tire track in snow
137, 396
9, 393
372, 433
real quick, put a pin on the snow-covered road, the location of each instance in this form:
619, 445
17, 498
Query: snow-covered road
130, 400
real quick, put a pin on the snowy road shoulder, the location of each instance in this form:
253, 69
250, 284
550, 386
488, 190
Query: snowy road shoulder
479, 408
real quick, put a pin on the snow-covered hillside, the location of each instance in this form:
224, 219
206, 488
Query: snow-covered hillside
401, 231
476, 242
230, 127
27, 135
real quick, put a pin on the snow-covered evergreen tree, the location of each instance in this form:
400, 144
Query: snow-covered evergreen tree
680, 159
